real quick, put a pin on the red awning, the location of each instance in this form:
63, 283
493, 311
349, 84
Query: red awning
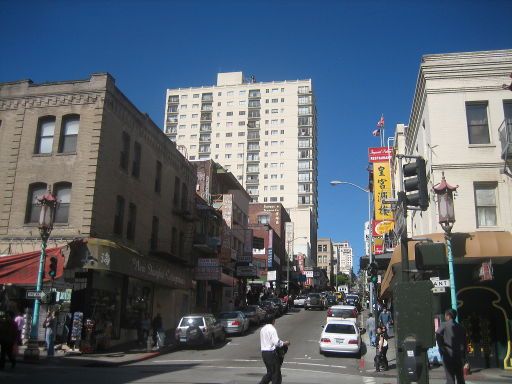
23, 268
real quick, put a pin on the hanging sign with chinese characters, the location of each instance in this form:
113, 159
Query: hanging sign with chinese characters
382, 190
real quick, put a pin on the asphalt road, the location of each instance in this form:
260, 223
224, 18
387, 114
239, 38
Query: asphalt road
238, 360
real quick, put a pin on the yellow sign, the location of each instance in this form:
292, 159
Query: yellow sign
382, 190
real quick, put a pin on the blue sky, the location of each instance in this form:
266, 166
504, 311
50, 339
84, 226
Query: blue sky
363, 57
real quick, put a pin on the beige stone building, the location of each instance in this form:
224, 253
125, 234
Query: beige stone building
461, 124
325, 258
343, 256
262, 132
126, 198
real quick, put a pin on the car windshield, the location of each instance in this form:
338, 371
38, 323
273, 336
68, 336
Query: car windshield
347, 329
342, 313
228, 315
192, 322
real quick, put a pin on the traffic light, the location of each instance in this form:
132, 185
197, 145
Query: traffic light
430, 256
415, 184
373, 272
53, 267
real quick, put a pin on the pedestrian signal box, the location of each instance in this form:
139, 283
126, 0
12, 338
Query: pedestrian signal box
430, 256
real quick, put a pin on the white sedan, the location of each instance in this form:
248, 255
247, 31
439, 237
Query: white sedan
299, 301
341, 336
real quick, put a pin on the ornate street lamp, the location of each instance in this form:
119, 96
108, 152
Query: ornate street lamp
48, 204
446, 211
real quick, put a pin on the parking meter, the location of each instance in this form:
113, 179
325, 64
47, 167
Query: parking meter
412, 363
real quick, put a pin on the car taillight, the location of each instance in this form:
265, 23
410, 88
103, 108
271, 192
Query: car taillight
236, 323
325, 340
177, 333
353, 341
329, 312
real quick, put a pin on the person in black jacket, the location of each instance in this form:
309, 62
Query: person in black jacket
8, 336
381, 360
451, 339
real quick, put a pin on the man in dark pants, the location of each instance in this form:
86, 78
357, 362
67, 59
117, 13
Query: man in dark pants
451, 338
269, 342
8, 336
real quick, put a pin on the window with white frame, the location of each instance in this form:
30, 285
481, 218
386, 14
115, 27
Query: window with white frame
485, 205
478, 125
46, 131
69, 134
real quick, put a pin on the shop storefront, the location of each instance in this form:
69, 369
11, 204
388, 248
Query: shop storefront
121, 288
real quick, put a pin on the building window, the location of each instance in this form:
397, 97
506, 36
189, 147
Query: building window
478, 127
63, 193
181, 245
158, 177
154, 233
174, 241
45, 133
263, 219
485, 202
119, 216
132, 220
33, 208
184, 197
125, 151
137, 153
176, 198
69, 134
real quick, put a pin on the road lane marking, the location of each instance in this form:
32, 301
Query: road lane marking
315, 364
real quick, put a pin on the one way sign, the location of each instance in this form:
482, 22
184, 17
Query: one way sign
439, 283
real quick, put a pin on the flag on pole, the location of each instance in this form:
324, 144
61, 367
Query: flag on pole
376, 132
380, 123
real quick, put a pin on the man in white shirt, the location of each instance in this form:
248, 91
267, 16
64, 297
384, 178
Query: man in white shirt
269, 342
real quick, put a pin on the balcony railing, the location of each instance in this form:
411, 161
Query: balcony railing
206, 117
174, 99
505, 134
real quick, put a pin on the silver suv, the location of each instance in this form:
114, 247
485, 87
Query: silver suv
314, 300
199, 329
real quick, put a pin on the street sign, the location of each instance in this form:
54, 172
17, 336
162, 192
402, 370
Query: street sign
439, 290
35, 295
439, 283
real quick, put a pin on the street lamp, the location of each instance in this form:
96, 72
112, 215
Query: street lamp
48, 204
290, 258
446, 210
370, 256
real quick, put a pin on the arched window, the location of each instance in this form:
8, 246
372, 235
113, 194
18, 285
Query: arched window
45, 132
33, 211
63, 193
69, 134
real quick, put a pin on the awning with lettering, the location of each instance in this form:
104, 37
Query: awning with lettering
23, 268
100, 254
466, 248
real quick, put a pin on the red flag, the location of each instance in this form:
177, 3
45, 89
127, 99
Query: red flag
380, 123
376, 132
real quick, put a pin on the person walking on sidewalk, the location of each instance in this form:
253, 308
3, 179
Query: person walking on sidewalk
370, 327
451, 339
269, 342
8, 336
381, 359
49, 324
385, 318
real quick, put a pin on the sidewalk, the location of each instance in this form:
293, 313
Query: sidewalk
116, 356
494, 375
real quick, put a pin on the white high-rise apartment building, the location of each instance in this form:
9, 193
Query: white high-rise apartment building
343, 255
264, 133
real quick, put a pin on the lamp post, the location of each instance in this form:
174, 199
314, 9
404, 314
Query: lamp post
370, 253
446, 210
48, 204
290, 258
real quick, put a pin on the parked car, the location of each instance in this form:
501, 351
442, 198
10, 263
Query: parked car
341, 336
342, 312
352, 299
234, 322
255, 314
299, 301
199, 329
314, 300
